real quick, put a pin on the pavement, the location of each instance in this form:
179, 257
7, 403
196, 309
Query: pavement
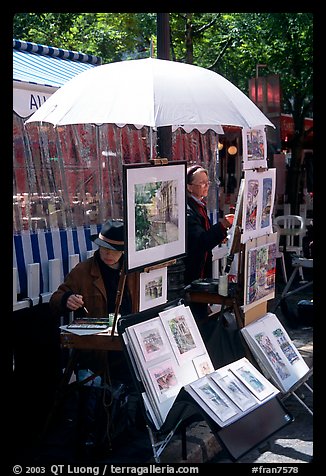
292, 444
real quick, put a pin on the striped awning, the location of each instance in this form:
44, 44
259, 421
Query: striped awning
39, 70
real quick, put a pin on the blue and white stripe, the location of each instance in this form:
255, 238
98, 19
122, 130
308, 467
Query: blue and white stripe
56, 52
42, 246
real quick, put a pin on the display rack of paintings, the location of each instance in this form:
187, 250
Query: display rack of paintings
254, 148
276, 354
259, 270
232, 391
167, 354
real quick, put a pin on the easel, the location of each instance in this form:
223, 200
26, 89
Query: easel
258, 311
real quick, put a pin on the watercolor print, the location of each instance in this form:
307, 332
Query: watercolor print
203, 365
275, 359
254, 148
152, 339
261, 272
251, 205
164, 379
279, 356
252, 379
265, 220
259, 196
183, 333
154, 213
234, 389
153, 288
214, 398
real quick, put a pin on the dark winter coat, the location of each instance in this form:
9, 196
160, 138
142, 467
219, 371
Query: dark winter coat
86, 279
200, 242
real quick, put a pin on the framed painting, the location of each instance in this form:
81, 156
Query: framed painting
260, 270
154, 213
153, 288
252, 379
254, 148
258, 202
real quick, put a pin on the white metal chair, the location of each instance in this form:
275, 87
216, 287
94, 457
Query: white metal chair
279, 253
293, 228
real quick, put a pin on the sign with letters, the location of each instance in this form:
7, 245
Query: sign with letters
27, 98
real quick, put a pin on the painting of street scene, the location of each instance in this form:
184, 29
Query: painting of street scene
164, 379
214, 399
251, 205
273, 356
256, 144
267, 203
254, 148
261, 273
156, 214
151, 338
286, 346
153, 288
182, 334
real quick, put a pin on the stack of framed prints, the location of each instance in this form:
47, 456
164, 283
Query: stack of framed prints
276, 354
166, 352
232, 391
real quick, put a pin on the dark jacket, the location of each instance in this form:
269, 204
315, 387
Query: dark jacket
86, 279
200, 242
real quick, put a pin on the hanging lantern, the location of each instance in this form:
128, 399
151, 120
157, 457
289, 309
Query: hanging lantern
232, 150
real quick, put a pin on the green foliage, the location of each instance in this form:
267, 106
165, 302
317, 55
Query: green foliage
231, 44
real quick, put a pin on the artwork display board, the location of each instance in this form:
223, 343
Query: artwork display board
254, 145
260, 270
258, 203
168, 354
232, 391
154, 213
274, 351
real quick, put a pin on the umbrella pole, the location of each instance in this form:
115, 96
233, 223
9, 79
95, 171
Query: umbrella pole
151, 141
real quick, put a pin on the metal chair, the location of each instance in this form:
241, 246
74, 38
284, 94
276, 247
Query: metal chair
293, 228
279, 253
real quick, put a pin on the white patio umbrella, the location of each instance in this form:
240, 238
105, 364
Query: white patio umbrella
151, 92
